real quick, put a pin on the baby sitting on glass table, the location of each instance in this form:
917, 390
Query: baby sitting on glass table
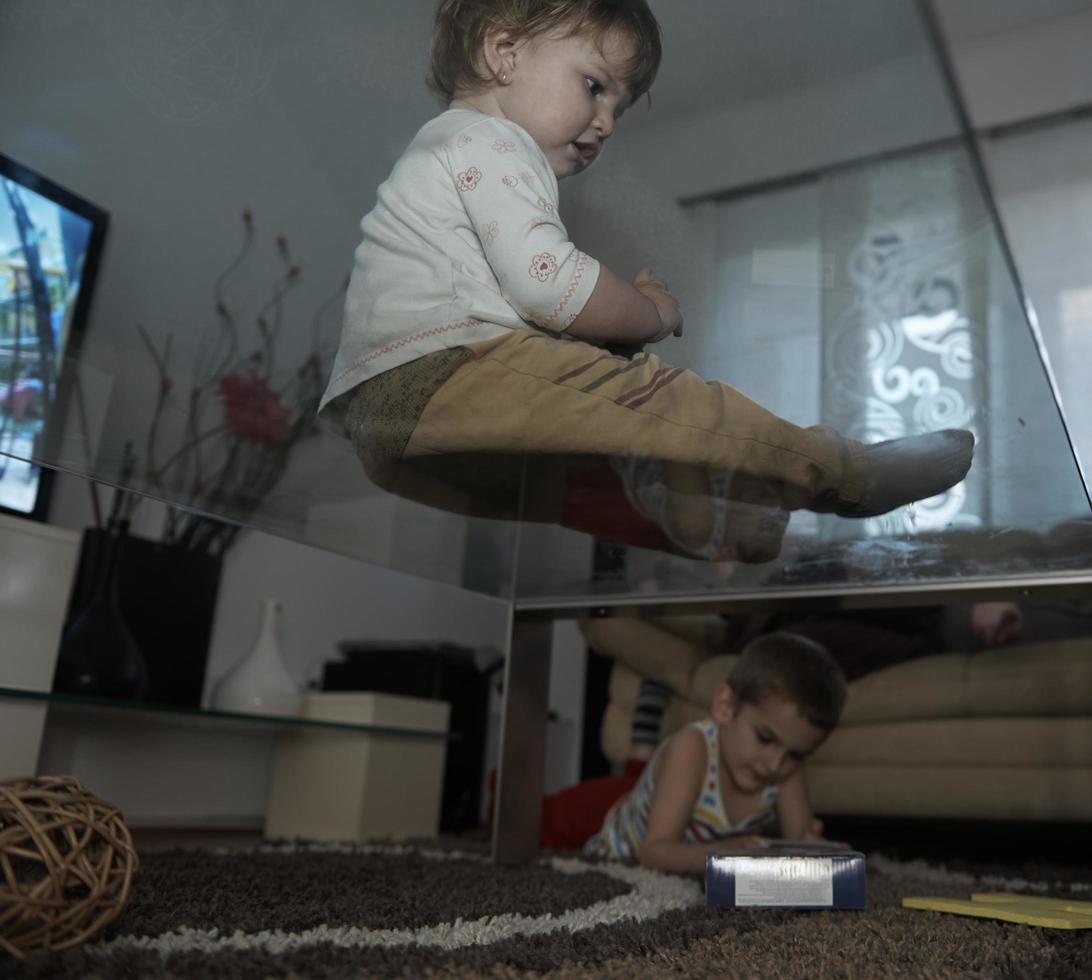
475, 330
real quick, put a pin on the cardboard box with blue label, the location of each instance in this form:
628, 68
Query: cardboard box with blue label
786, 878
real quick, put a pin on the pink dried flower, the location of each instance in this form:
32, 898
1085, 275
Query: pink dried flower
252, 410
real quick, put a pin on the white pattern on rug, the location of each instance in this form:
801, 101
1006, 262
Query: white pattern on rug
653, 894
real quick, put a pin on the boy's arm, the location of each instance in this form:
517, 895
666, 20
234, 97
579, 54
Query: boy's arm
678, 782
794, 812
632, 314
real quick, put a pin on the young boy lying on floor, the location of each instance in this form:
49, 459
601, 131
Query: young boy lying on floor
722, 782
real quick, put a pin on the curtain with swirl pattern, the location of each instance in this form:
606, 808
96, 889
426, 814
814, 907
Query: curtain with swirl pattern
904, 322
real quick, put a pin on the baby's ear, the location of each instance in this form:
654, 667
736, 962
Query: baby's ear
499, 54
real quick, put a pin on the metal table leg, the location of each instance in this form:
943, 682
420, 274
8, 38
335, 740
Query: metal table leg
521, 766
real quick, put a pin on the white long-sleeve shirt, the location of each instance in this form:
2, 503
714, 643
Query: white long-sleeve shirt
464, 243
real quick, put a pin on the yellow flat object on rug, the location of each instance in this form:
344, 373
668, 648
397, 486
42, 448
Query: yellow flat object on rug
1032, 910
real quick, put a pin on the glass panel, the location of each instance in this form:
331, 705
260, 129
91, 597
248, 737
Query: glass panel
145, 712
799, 177
235, 148
868, 291
1044, 192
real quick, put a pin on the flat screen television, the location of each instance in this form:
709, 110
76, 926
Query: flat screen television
51, 241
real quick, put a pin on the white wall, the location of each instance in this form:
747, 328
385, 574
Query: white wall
1041, 68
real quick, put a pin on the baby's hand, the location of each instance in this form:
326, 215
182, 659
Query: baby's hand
666, 305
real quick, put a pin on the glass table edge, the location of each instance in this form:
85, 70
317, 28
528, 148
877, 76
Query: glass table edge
288, 722
839, 595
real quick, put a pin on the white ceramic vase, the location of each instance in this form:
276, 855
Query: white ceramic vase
260, 683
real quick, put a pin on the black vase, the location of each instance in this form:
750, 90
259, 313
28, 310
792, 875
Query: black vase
167, 598
98, 654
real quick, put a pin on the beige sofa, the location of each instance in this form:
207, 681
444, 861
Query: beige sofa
1001, 734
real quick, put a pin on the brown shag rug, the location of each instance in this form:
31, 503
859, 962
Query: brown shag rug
298, 911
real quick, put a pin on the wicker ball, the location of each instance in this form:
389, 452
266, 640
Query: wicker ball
66, 862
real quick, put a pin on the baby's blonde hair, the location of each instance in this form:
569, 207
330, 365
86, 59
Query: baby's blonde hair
461, 28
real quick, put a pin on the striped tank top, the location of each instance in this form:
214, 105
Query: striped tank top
624, 827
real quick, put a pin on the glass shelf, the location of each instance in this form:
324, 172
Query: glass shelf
827, 229
146, 712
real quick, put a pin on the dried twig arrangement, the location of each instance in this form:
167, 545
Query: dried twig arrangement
241, 416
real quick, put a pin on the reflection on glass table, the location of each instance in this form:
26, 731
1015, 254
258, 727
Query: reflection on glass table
884, 307
881, 306
851, 275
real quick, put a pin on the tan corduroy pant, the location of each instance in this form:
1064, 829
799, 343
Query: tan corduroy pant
458, 429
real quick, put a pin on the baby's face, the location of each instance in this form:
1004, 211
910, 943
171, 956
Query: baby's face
568, 94
763, 744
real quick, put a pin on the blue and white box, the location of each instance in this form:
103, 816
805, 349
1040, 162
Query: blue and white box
786, 879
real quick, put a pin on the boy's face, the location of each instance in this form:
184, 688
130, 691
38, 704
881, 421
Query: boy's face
762, 744
567, 93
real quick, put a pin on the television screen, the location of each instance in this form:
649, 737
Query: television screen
50, 244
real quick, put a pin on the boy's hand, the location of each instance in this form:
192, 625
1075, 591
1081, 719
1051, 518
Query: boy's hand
815, 835
743, 842
666, 305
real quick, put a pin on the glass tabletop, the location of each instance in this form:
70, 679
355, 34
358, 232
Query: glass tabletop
147, 712
804, 178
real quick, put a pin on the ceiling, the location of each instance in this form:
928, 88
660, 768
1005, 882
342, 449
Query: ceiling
719, 52
967, 19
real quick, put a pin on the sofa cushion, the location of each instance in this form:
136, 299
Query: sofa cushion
932, 687
1028, 680
1035, 679
979, 792
1032, 680
1054, 741
1050, 678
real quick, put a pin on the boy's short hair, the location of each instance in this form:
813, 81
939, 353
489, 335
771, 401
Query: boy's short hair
461, 27
795, 668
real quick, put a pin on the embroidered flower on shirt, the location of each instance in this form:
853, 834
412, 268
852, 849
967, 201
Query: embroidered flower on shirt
504, 146
509, 181
545, 205
490, 232
543, 266
463, 140
468, 179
